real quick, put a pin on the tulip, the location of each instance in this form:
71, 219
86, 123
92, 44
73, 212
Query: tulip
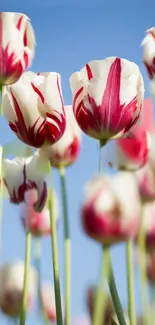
133, 153
23, 174
48, 300
34, 108
17, 43
107, 97
65, 151
149, 52
11, 284
38, 223
107, 213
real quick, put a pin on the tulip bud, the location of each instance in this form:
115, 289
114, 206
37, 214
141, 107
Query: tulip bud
107, 213
107, 97
34, 108
65, 151
17, 43
11, 284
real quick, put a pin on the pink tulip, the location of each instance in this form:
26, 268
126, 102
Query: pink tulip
38, 223
34, 108
17, 43
133, 153
107, 97
107, 213
23, 174
11, 284
149, 52
48, 300
65, 151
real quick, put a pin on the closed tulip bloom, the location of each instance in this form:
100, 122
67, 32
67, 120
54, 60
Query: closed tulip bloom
23, 174
17, 43
133, 152
65, 151
107, 97
11, 284
107, 213
34, 108
145, 178
38, 223
48, 300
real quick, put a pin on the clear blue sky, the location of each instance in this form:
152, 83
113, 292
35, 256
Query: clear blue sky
68, 35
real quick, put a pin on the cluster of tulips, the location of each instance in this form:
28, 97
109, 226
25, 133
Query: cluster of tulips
108, 106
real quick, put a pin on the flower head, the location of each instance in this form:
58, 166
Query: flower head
17, 43
23, 174
107, 97
34, 108
11, 284
107, 213
48, 300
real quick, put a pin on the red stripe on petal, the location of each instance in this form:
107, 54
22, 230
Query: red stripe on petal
19, 23
152, 34
38, 92
89, 72
76, 97
25, 38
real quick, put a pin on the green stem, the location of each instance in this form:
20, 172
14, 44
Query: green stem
142, 270
100, 298
130, 280
100, 158
113, 290
67, 247
26, 278
37, 261
55, 259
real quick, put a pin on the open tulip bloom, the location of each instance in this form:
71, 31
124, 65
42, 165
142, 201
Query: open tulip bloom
17, 43
107, 97
34, 108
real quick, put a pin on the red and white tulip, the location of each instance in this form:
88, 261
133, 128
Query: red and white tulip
38, 223
17, 44
34, 108
23, 174
107, 213
11, 284
65, 151
107, 97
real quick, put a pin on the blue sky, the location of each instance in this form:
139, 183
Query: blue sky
68, 35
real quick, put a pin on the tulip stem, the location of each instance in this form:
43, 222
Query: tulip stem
100, 158
67, 247
37, 261
130, 280
100, 297
55, 258
26, 278
113, 289
142, 270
